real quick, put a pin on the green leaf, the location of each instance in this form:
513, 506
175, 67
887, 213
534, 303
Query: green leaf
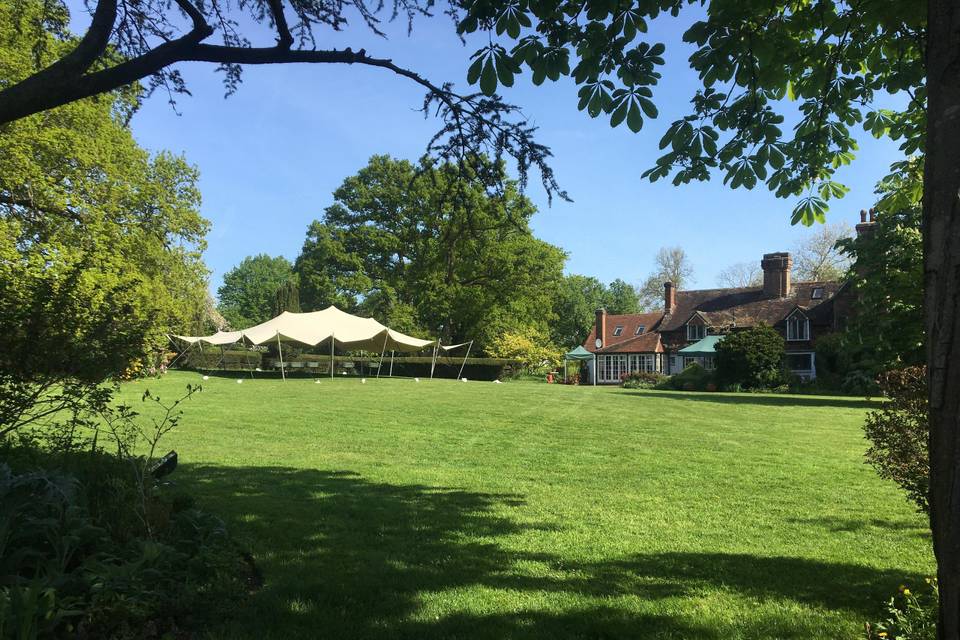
473, 74
619, 114
634, 118
488, 78
649, 108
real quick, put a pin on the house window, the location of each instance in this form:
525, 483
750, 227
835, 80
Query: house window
612, 367
798, 327
800, 362
696, 332
689, 360
642, 362
618, 330
817, 293
639, 330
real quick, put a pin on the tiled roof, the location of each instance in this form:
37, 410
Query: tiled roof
744, 307
629, 322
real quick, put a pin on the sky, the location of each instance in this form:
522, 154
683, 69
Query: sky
271, 155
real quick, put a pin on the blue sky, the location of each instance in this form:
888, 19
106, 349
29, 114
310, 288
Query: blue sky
271, 155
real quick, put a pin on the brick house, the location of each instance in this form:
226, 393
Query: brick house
799, 311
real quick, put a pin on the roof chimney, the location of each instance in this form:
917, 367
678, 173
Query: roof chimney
866, 225
669, 297
776, 274
601, 326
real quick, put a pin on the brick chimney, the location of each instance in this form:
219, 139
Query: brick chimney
669, 297
601, 326
776, 274
866, 225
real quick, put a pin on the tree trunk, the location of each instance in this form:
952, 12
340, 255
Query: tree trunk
941, 233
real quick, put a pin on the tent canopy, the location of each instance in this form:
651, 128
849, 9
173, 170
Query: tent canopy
312, 328
704, 347
578, 354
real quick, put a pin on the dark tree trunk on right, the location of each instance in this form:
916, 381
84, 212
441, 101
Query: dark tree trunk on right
941, 231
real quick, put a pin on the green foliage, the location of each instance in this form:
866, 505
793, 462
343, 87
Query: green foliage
287, 297
622, 298
910, 616
529, 347
644, 380
761, 64
693, 378
64, 570
751, 358
248, 295
431, 249
899, 433
886, 328
577, 300
100, 244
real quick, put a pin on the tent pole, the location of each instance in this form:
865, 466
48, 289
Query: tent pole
594, 369
433, 361
331, 356
181, 354
391, 363
382, 352
246, 358
564, 371
469, 346
223, 355
283, 374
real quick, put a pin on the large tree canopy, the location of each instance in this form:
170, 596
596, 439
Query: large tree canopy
428, 249
100, 246
248, 295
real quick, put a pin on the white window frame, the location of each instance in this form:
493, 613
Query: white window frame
813, 294
611, 367
645, 362
639, 330
808, 373
795, 323
618, 330
699, 328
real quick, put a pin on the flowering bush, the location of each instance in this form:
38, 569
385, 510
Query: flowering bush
641, 380
910, 616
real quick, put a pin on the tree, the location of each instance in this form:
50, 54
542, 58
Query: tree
428, 246
670, 265
248, 293
100, 246
578, 297
741, 274
752, 358
621, 297
819, 256
886, 329
286, 297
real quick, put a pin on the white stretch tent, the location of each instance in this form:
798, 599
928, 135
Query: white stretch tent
331, 324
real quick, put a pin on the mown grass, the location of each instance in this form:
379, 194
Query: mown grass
441, 509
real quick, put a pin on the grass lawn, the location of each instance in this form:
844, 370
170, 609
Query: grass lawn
394, 509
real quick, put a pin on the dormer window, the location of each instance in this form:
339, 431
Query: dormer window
798, 327
618, 330
696, 332
817, 293
639, 330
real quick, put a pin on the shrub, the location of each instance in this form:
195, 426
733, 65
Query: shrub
693, 378
752, 358
642, 379
910, 616
898, 433
69, 569
529, 347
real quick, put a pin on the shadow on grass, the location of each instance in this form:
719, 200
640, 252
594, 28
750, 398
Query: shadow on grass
837, 525
347, 557
761, 399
